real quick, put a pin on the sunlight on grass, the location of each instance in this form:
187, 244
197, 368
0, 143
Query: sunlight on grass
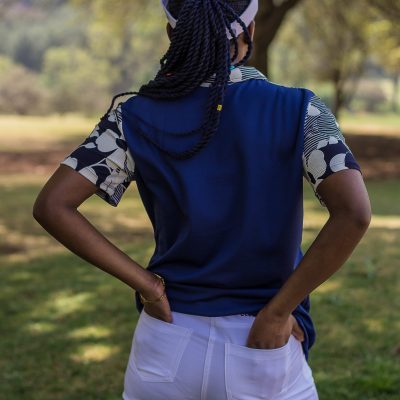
90, 332
370, 124
15, 181
386, 221
64, 303
63, 320
374, 325
41, 132
328, 286
40, 327
93, 353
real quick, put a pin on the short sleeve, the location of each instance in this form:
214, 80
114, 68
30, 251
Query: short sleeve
325, 149
104, 158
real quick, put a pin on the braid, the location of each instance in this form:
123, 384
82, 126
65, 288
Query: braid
199, 48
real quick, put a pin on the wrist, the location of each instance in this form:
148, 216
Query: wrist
271, 312
154, 287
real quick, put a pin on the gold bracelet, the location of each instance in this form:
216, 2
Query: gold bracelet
156, 300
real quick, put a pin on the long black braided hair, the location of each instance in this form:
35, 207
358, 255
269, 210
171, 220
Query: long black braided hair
199, 48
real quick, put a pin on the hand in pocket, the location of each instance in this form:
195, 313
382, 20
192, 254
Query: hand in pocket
160, 310
270, 332
297, 330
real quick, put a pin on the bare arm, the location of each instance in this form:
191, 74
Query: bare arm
56, 211
347, 200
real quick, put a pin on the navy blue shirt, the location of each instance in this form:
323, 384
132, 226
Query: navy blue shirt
227, 222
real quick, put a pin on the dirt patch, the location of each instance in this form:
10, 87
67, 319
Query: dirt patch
7, 248
38, 161
378, 156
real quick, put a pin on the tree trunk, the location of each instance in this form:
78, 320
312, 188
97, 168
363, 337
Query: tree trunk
338, 99
395, 95
268, 21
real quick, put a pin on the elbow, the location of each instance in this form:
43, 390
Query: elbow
356, 218
362, 220
43, 208
48, 207
362, 215
39, 209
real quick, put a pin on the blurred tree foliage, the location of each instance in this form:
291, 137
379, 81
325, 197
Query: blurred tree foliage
26, 94
78, 81
385, 40
335, 41
388, 8
129, 35
270, 16
75, 54
28, 31
329, 41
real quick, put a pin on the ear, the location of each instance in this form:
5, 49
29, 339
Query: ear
169, 30
252, 28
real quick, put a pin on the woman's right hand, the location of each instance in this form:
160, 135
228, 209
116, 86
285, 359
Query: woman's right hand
159, 309
269, 331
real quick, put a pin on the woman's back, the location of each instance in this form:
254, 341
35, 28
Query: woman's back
228, 221
219, 164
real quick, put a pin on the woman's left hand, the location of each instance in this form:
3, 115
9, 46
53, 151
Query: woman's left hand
269, 331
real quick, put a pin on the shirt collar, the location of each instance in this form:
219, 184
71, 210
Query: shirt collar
238, 74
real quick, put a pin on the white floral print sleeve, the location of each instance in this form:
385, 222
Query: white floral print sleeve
325, 149
104, 158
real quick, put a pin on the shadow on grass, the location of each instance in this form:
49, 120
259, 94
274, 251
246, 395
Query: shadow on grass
357, 352
66, 330
66, 327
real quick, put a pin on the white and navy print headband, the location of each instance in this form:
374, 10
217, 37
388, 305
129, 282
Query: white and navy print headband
247, 16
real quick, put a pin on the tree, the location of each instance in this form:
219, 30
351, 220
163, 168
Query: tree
77, 80
389, 8
385, 38
129, 35
330, 38
121, 17
21, 91
270, 17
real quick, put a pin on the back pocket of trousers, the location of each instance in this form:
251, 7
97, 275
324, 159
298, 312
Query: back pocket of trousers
158, 348
256, 374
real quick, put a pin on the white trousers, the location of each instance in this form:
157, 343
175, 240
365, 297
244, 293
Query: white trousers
206, 358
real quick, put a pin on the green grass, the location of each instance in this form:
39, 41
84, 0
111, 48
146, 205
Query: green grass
41, 132
66, 326
387, 124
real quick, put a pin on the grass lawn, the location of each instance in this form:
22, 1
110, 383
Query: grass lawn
370, 124
66, 327
42, 132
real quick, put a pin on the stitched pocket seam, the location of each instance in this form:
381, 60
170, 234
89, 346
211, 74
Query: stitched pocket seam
235, 352
174, 354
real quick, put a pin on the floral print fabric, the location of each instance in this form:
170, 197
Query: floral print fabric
325, 149
104, 157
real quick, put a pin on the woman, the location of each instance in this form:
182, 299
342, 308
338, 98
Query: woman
218, 153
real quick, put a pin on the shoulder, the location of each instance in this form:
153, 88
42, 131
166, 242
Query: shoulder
288, 89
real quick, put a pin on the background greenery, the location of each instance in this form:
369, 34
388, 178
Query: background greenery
73, 55
66, 327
